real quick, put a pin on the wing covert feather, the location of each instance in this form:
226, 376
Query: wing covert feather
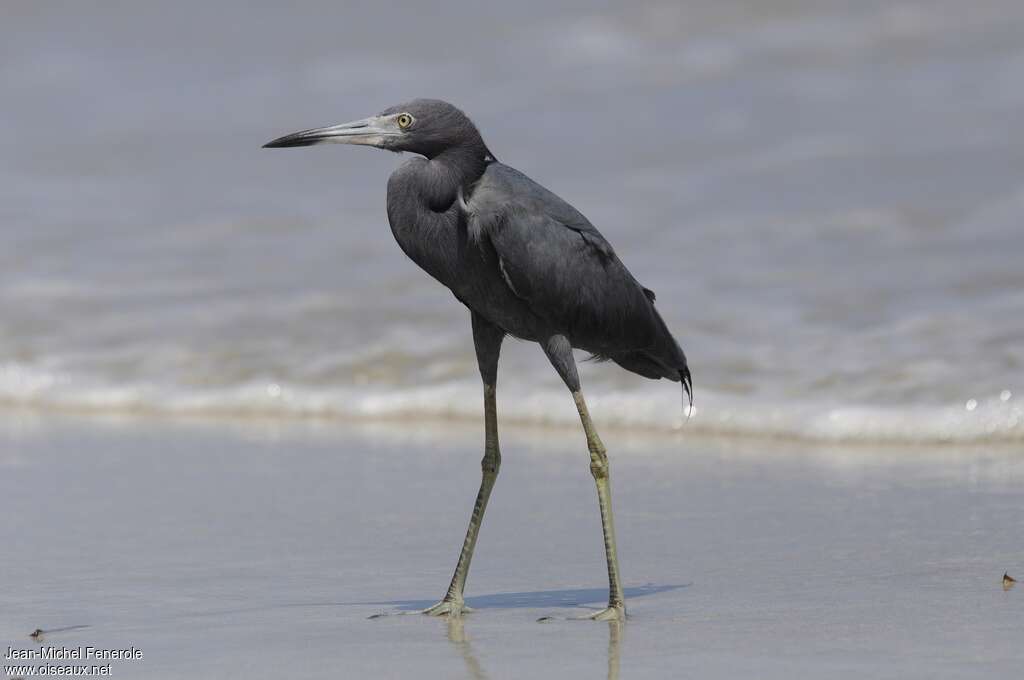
554, 259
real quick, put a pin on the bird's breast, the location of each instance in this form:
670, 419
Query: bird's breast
443, 244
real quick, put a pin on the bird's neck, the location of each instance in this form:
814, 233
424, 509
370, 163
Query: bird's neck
445, 175
463, 164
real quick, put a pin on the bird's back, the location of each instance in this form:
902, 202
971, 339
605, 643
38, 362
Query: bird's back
567, 274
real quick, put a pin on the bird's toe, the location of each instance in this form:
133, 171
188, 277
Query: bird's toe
450, 608
612, 613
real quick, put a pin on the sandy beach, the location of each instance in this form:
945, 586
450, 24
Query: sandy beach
260, 549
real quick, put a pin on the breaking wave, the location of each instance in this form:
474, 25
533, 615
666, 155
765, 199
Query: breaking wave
998, 418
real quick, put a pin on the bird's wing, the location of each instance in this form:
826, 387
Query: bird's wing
560, 265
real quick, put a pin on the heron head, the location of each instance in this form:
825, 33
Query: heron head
427, 127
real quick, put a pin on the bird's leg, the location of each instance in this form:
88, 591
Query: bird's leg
559, 351
453, 603
616, 609
487, 339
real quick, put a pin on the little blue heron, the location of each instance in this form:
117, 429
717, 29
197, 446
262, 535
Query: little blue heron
526, 264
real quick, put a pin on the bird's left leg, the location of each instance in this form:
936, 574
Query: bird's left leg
487, 339
559, 352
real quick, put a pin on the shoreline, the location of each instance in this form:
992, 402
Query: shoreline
686, 431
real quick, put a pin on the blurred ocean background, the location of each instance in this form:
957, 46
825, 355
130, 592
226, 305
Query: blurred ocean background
828, 198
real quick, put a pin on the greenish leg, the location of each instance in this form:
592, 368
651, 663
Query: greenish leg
616, 609
453, 603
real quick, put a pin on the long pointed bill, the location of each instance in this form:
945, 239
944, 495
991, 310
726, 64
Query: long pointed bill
368, 132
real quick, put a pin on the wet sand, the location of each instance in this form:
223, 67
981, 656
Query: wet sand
259, 550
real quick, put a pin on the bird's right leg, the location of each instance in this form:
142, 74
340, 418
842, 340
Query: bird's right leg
559, 352
487, 339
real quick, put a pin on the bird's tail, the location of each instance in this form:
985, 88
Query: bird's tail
655, 367
662, 356
687, 381
674, 364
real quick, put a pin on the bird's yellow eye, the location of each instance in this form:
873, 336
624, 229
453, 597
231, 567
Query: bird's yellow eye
404, 120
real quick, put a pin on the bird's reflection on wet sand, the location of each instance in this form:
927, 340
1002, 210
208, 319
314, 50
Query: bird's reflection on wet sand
457, 636
456, 629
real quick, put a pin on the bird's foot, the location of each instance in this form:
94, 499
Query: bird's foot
610, 613
446, 607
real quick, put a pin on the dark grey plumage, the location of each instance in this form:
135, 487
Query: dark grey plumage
525, 262
519, 255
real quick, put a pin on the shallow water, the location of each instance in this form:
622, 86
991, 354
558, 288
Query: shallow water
826, 196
